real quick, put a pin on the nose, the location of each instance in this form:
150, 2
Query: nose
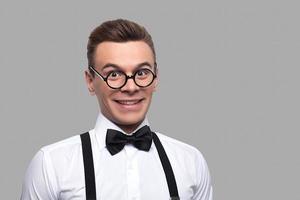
130, 86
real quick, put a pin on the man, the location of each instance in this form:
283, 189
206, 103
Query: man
121, 158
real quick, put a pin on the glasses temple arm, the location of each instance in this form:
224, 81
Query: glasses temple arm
95, 71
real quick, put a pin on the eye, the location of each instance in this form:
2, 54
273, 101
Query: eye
115, 75
143, 72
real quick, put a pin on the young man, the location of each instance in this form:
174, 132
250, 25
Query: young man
121, 158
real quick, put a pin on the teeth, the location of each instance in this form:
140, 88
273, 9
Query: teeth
127, 102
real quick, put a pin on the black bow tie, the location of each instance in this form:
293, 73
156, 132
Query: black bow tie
116, 140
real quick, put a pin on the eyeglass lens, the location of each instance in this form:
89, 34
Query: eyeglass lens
142, 78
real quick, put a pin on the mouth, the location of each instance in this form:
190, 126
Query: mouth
129, 102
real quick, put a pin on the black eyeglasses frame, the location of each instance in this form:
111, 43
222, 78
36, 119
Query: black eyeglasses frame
126, 76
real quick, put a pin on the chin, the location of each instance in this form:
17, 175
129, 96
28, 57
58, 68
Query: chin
130, 119
129, 114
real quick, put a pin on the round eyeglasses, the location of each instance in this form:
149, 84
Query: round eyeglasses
117, 79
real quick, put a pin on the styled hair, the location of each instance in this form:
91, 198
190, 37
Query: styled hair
119, 30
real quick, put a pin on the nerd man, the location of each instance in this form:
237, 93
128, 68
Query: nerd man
120, 158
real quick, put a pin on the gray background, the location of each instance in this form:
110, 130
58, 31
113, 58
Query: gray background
229, 85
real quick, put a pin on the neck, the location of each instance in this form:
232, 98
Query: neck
129, 128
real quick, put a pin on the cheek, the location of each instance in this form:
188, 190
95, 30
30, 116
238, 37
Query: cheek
103, 94
149, 91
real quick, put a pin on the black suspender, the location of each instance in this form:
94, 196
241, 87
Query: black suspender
90, 174
167, 168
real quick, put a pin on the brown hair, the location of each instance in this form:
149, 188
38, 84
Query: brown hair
119, 30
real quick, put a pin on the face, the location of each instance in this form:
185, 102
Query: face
127, 106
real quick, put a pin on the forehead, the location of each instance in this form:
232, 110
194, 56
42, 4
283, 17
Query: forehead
124, 54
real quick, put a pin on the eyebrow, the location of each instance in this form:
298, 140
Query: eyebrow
107, 65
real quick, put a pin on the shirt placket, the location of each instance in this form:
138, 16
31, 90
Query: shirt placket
133, 182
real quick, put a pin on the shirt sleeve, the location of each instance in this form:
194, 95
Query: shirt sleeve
37, 184
203, 190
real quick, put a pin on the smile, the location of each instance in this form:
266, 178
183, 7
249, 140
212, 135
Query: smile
129, 102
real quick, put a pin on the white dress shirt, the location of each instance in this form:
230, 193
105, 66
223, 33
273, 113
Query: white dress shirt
57, 173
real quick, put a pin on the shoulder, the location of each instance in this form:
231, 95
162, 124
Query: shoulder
62, 154
178, 146
63, 146
183, 154
60, 157
187, 160
49, 167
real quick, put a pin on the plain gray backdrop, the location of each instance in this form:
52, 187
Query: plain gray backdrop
229, 85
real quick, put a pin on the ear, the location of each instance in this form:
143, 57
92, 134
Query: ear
89, 81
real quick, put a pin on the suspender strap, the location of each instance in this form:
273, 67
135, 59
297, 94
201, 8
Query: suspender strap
167, 168
90, 186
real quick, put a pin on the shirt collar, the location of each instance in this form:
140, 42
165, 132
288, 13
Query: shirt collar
102, 124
